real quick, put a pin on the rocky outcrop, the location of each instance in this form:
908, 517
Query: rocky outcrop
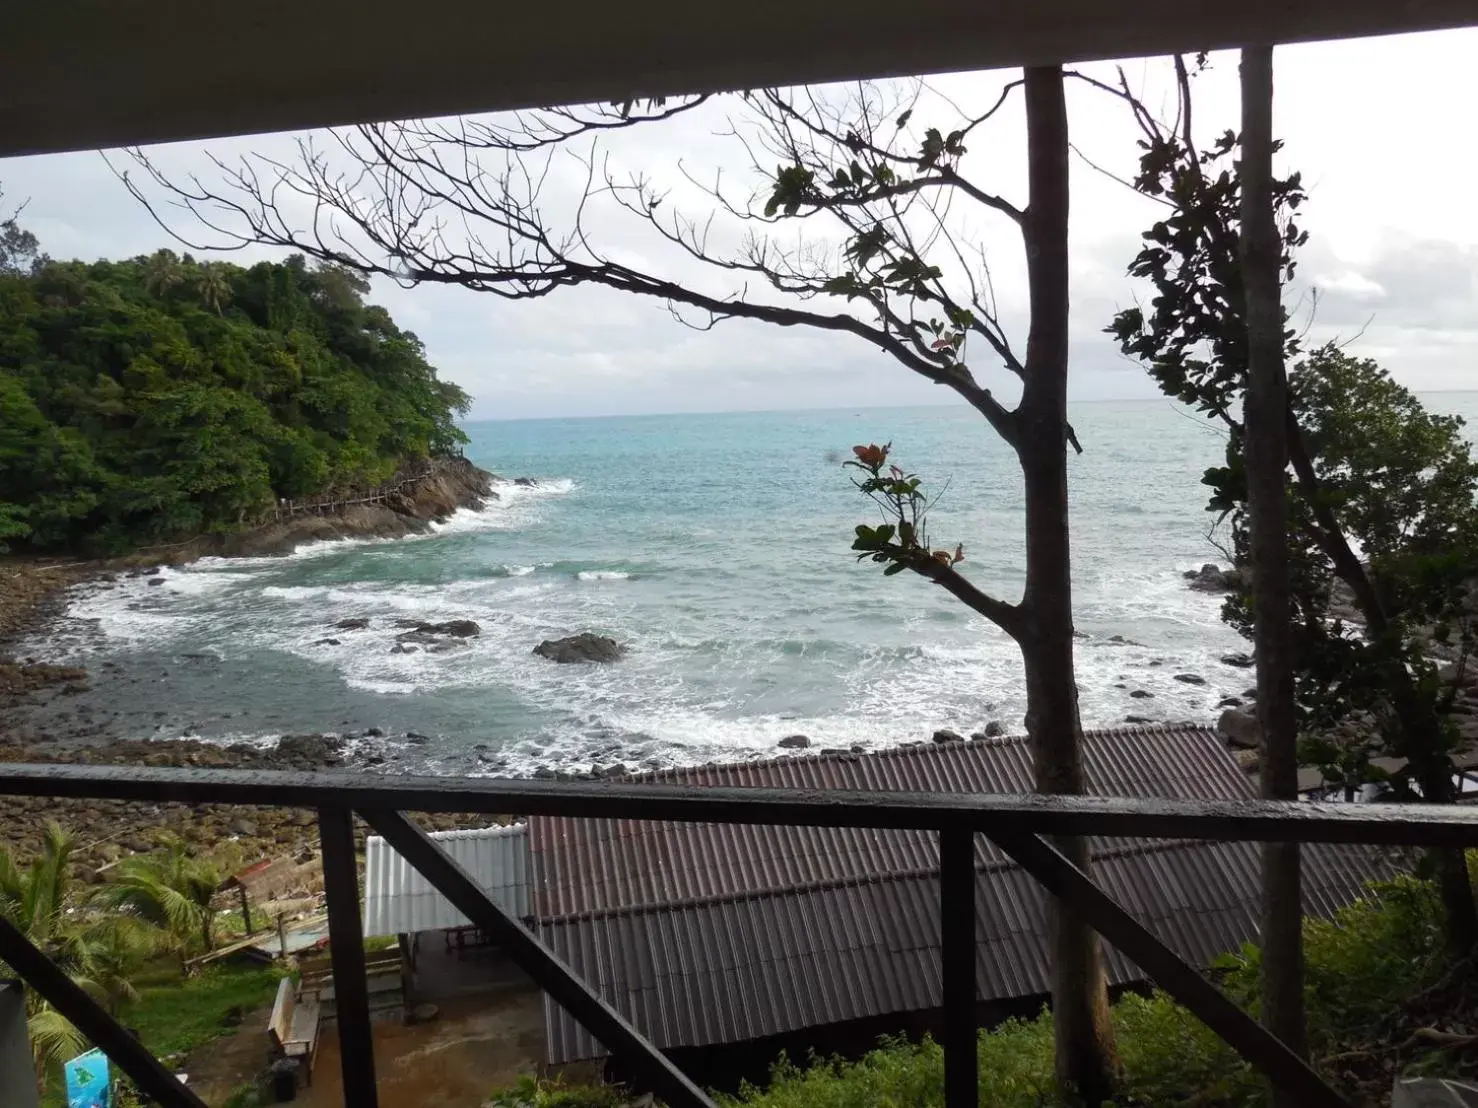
794, 742
1212, 578
945, 735
993, 730
1190, 679
449, 484
307, 750
457, 628
352, 624
1238, 661
584, 647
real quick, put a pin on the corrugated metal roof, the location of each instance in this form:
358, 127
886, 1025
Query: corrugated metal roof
586, 865
707, 934
398, 900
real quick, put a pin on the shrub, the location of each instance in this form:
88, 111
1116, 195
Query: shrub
1359, 966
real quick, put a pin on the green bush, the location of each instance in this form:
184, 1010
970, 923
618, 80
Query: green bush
533, 1093
1358, 967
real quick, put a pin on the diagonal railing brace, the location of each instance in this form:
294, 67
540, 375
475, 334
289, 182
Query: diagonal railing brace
549, 972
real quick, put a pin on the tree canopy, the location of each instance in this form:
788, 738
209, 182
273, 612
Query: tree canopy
163, 397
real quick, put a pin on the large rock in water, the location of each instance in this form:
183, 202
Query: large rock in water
458, 628
1212, 578
584, 647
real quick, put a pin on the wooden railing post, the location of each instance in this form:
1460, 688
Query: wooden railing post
957, 949
346, 946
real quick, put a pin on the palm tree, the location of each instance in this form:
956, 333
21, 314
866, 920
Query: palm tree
213, 284
34, 900
170, 890
98, 954
162, 273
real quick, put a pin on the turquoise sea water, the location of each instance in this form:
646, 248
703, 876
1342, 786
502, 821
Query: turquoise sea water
716, 548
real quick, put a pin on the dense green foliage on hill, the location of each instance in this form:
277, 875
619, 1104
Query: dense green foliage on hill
161, 397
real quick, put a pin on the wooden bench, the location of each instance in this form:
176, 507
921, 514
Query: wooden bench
380, 966
292, 1028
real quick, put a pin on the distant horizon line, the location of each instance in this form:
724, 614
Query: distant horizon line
856, 408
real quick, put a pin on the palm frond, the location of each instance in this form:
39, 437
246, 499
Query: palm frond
53, 1039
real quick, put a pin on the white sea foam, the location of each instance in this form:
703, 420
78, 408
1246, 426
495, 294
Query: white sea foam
297, 592
602, 575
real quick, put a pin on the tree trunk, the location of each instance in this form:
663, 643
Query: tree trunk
1080, 1011
1266, 446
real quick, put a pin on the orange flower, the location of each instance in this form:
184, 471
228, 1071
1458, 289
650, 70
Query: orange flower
872, 456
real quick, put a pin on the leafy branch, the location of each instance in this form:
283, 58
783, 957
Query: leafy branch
901, 542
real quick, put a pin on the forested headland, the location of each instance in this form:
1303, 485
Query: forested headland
159, 398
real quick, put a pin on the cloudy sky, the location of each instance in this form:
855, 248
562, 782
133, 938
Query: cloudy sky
1378, 128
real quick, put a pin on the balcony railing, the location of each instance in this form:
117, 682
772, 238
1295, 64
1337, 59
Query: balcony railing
1022, 826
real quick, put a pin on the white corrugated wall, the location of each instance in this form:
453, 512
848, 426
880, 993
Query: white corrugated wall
398, 900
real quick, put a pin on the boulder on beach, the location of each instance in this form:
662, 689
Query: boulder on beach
1238, 726
992, 730
306, 748
1212, 578
1239, 660
794, 742
1142, 694
945, 735
584, 647
1190, 679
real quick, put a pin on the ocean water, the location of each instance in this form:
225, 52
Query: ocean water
716, 548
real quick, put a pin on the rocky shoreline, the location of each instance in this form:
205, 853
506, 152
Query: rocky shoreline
32, 593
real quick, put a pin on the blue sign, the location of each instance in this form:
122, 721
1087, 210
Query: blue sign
87, 1081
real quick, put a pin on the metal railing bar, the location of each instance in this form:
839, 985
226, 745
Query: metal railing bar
653, 1068
1255, 1043
957, 960
85, 1014
1221, 820
346, 949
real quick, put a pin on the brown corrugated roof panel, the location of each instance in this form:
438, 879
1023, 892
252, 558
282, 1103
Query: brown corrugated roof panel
707, 934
